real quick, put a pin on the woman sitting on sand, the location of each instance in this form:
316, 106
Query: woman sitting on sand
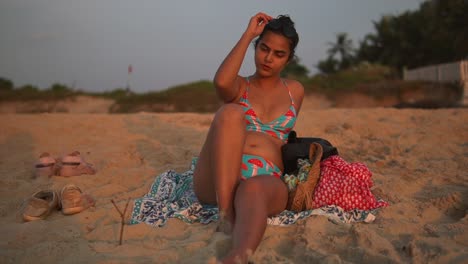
240, 166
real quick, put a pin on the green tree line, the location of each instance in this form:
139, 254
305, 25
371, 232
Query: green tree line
56, 91
435, 33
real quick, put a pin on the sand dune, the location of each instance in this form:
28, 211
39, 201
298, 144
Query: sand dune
419, 160
76, 105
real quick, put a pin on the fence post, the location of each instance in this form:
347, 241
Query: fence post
438, 72
464, 80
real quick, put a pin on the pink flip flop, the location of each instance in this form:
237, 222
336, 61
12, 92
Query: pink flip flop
46, 166
74, 165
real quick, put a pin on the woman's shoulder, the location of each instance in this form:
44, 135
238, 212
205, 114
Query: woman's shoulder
295, 87
243, 83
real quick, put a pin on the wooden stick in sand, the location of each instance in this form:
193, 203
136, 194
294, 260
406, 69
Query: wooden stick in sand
122, 216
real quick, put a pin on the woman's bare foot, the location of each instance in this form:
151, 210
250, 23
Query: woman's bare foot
237, 258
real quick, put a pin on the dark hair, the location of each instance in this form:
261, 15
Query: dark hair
284, 26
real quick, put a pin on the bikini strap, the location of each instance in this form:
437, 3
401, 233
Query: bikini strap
248, 84
289, 91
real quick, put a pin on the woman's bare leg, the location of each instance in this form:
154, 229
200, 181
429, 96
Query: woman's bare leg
217, 173
255, 200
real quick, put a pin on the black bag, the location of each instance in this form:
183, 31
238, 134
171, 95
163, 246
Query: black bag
298, 148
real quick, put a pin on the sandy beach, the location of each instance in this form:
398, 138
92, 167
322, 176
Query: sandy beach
419, 161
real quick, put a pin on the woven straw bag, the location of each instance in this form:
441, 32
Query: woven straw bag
301, 198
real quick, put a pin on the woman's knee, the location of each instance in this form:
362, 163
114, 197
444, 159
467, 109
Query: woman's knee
248, 190
264, 190
229, 113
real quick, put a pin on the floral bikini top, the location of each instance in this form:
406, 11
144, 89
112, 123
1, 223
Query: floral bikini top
278, 128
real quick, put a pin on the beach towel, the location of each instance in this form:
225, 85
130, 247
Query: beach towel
172, 196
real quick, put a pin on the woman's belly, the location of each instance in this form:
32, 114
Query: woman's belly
264, 145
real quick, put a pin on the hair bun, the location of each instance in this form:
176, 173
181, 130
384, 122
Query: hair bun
285, 19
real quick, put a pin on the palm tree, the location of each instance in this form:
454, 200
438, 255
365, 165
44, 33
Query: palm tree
344, 48
295, 69
328, 66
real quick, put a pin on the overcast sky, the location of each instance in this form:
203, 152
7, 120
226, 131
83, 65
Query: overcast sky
89, 44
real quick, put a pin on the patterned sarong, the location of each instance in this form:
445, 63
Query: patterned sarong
172, 196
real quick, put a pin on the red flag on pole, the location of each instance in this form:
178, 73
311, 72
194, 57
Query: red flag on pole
130, 68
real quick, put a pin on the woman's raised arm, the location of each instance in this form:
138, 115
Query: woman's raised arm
227, 80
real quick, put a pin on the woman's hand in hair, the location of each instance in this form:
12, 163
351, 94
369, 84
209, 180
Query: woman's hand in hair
257, 24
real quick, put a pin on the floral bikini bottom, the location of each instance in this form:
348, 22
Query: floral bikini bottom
255, 165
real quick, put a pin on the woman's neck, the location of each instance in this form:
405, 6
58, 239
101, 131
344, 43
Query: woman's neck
265, 83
